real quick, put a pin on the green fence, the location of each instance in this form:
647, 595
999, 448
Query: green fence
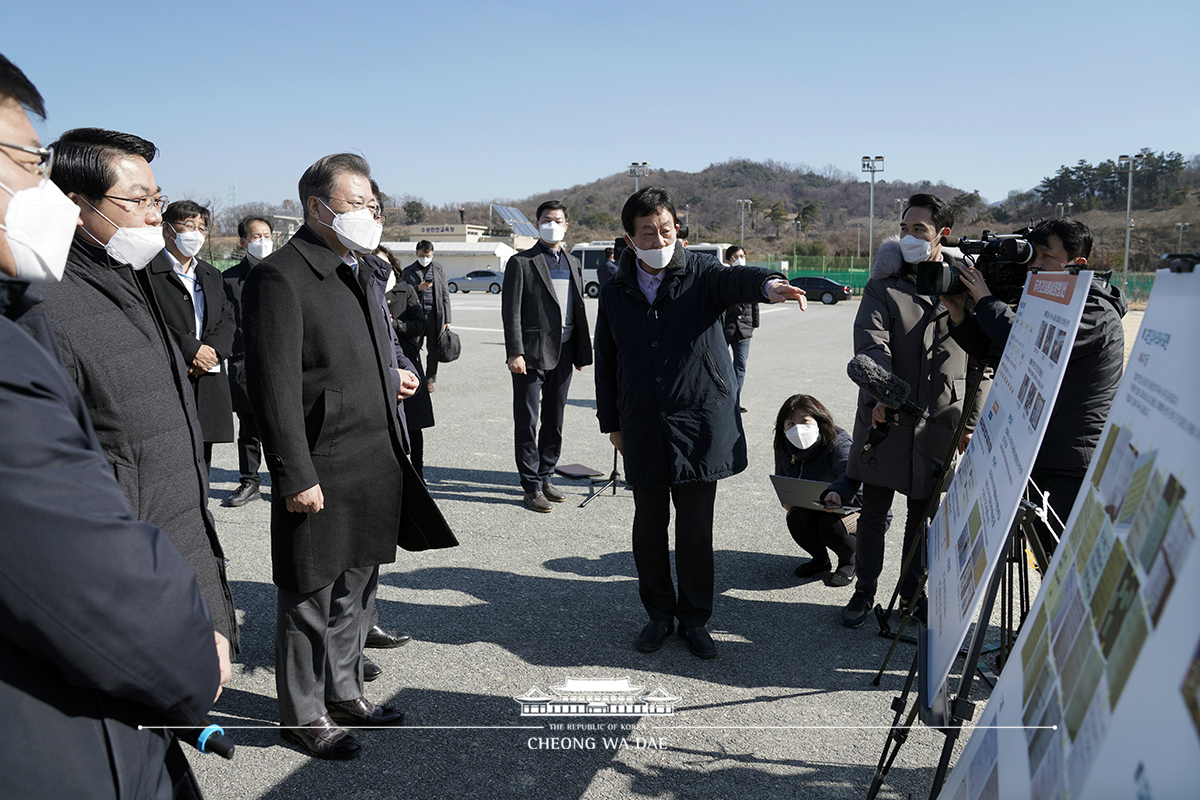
849, 270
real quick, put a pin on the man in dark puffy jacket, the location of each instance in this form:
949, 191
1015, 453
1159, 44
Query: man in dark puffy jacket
665, 394
740, 322
1093, 371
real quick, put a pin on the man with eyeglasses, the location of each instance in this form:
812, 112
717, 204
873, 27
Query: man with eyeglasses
318, 360
103, 632
192, 297
115, 345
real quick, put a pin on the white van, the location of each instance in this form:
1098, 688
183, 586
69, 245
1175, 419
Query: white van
591, 256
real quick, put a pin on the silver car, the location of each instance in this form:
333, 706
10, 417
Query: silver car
481, 279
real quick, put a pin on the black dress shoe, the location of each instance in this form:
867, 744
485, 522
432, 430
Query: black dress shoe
654, 634
363, 713
323, 738
371, 670
810, 569
698, 640
379, 638
552, 493
242, 495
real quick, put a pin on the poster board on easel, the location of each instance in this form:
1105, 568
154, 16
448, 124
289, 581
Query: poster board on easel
1104, 699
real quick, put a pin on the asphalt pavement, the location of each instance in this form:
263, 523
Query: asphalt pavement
528, 600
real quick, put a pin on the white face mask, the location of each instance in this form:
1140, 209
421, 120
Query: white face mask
915, 250
39, 226
552, 232
260, 248
133, 246
739, 262
356, 230
803, 436
656, 259
425, 261
189, 242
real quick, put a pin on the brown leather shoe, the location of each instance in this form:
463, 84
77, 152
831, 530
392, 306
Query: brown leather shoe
323, 738
536, 501
363, 713
552, 493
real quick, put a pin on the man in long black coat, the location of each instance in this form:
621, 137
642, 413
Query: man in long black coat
255, 235
666, 395
115, 345
82, 667
318, 361
192, 297
429, 278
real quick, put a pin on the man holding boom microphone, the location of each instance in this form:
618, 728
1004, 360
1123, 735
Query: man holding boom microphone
907, 335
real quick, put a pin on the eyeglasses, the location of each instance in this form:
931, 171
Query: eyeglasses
189, 226
144, 202
359, 205
45, 158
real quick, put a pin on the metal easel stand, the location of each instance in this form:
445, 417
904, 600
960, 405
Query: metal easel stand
598, 485
1032, 526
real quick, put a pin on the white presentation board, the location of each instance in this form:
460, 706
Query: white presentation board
1104, 700
968, 534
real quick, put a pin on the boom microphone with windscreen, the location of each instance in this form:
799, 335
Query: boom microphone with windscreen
884, 387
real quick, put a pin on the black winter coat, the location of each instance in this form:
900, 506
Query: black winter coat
1089, 384
234, 279
408, 321
740, 322
102, 626
214, 405
826, 464
664, 377
318, 361
116, 347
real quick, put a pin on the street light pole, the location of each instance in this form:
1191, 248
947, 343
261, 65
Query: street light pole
795, 233
1125, 162
1181, 227
899, 210
744, 204
872, 165
638, 171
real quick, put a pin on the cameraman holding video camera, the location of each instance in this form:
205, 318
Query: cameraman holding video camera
1093, 371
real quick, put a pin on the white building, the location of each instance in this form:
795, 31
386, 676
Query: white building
458, 258
582, 697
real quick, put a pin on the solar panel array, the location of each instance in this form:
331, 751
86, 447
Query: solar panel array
516, 220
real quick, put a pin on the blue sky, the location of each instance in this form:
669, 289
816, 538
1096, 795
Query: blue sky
463, 101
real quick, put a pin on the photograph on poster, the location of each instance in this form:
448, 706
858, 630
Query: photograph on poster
1024, 388
1036, 416
1060, 336
1029, 400
1041, 337
1048, 340
1190, 689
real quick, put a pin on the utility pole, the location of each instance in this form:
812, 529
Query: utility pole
872, 165
744, 205
1125, 162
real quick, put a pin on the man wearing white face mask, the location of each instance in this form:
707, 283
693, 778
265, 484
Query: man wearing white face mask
84, 667
907, 334
667, 398
115, 344
429, 278
189, 290
318, 362
255, 235
545, 335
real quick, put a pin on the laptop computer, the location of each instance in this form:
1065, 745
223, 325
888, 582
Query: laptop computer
806, 494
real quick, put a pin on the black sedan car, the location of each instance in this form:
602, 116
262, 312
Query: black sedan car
823, 289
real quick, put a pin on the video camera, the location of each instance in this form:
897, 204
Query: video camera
1003, 260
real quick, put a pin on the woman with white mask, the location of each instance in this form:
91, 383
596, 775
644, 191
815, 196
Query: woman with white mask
809, 445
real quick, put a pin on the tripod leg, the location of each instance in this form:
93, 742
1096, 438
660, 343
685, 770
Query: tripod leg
897, 734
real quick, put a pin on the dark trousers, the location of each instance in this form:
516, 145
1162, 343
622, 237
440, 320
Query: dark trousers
432, 329
249, 445
208, 456
872, 525
416, 453
741, 354
1063, 489
537, 451
693, 550
818, 532
319, 638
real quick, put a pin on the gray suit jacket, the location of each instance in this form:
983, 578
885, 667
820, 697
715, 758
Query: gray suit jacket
531, 316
